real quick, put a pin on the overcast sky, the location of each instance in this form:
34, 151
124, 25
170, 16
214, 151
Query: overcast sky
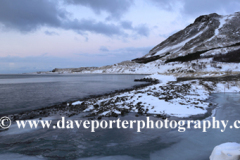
39, 35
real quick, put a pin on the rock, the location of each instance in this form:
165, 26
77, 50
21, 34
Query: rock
114, 114
124, 111
226, 151
96, 106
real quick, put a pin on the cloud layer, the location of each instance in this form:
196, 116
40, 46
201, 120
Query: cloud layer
115, 8
91, 32
196, 7
27, 16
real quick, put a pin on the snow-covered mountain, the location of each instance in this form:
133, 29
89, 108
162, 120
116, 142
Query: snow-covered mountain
209, 35
210, 45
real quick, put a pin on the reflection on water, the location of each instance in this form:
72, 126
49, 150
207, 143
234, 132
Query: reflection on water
154, 144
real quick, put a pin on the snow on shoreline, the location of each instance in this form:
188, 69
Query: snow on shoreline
179, 99
168, 98
201, 66
162, 78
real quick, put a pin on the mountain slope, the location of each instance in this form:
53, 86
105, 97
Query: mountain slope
207, 35
210, 46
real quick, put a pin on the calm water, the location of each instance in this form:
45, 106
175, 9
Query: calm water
118, 144
26, 92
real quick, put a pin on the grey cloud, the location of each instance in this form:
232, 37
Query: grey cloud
28, 15
92, 26
210, 6
196, 8
103, 49
142, 30
50, 33
165, 4
116, 8
126, 24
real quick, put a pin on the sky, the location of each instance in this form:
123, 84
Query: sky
40, 35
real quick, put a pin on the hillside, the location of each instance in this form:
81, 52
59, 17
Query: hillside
209, 46
208, 36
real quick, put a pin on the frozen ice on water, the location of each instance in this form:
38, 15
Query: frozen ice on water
226, 151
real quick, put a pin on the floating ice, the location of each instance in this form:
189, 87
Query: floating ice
226, 151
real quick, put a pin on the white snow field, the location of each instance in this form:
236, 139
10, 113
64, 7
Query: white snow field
179, 99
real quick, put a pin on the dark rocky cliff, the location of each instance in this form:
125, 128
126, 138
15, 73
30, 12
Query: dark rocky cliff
205, 36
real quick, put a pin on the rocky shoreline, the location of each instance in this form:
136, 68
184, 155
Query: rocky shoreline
67, 109
187, 95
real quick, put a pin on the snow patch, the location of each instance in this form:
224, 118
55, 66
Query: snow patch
178, 46
91, 107
76, 103
163, 78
